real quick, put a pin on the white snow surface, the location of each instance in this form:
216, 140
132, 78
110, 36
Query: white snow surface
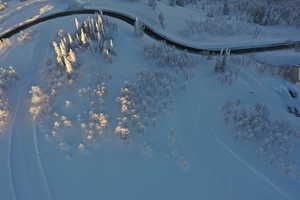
190, 153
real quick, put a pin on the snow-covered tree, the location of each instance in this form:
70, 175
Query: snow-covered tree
222, 61
152, 4
138, 28
172, 2
77, 24
161, 20
8, 76
226, 8
39, 102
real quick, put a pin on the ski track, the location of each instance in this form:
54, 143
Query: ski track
11, 142
251, 168
10, 131
27, 176
40, 163
21, 184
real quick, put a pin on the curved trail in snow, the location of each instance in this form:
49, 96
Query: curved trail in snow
28, 179
154, 34
40, 163
27, 175
251, 168
10, 143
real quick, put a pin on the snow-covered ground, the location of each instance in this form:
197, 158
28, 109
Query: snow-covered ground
125, 116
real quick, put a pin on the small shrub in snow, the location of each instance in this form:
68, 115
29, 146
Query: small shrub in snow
39, 102
175, 151
274, 138
8, 76
170, 59
4, 43
2, 6
152, 4
161, 20
227, 77
4, 112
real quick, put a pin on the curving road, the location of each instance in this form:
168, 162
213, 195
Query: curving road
154, 34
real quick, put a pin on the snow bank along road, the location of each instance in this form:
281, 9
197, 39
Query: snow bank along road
154, 34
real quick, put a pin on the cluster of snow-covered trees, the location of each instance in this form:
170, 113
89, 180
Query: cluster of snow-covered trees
226, 71
84, 110
8, 76
263, 12
143, 101
269, 12
92, 34
228, 68
165, 55
221, 26
4, 112
39, 103
78, 119
151, 95
252, 64
274, 139
242, 17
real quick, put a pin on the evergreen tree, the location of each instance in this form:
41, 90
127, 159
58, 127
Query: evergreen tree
161, 19
138, 28
226, 8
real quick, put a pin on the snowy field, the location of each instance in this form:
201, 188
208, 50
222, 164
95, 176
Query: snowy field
91, 108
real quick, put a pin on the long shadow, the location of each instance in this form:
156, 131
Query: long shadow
154, 34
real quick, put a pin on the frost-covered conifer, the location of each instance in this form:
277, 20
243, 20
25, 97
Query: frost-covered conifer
152, 4
138, 28
8, 76
70, 39
56, 48
68, 65
172, 2
161, 20
77, 24
222, 61
226, 8
71, 56
39, 102
83, 38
